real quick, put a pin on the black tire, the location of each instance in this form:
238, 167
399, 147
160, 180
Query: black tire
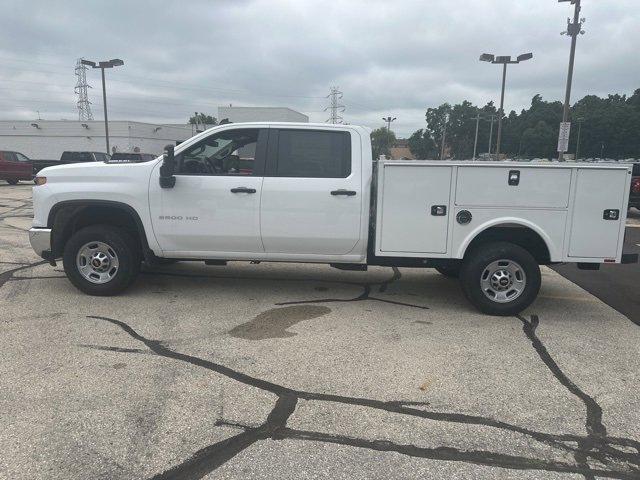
126, 253
12, 182
478, 263
450, 270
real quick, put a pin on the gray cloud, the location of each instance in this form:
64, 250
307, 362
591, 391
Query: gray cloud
387, 57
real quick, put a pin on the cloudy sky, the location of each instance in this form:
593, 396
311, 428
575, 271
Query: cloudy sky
389, 58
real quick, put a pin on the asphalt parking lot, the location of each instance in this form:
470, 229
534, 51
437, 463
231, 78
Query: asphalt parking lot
300, 371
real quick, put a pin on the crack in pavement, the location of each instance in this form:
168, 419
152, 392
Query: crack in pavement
604, 451
8, 275
365, 295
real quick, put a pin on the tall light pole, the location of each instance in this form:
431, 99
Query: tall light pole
475, 142
493, 118
573, 30
580, 120
116, 62
388, 121
504, 61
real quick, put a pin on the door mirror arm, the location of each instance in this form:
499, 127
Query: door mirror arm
168, 168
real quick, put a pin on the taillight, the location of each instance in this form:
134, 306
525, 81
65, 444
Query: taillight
635, 185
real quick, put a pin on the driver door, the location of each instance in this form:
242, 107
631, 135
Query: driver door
213, 211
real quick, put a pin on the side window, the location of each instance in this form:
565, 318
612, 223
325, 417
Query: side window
10, 157
313, 154
21, 157
232, 152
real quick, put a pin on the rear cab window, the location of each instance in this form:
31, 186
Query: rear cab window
310, 153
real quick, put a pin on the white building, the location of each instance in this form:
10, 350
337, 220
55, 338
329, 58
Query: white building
47, 139
260, 114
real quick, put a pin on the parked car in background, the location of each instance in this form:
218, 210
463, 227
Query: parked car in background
80, 157
133, 157
634, 196
70, 157
14, 166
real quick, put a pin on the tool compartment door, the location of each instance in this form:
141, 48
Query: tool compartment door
597, 191
415, 209
532, 187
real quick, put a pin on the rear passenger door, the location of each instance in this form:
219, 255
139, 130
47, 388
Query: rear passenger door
312, 192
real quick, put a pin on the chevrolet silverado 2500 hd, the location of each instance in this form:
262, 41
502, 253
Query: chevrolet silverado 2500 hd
310, 193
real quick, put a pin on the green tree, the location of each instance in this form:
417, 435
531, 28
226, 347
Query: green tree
611, 123
381, 142
202, 119
422, 145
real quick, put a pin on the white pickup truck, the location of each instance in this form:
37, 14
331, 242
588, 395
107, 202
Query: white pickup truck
291, 192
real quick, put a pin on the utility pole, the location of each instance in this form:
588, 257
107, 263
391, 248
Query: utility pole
388, 121
81, 89
335, 108
475, 142
573, 30
444, 136
580, 120
116, 62
493, 117
504, 61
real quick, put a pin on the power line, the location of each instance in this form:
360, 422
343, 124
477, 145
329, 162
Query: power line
335, 108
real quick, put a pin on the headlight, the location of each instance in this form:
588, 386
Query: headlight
40, 180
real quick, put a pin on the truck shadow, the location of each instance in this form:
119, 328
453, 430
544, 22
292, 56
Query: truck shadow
282, 286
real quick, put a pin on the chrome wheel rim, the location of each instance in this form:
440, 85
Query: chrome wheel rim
503, 281
97, 262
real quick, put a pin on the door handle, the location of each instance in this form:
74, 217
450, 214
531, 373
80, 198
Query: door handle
347, 193
243, 190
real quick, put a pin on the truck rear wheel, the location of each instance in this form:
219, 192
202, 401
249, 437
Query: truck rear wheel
101, 260
500, 278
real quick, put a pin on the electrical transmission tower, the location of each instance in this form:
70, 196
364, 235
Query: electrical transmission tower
335, 108
84, 105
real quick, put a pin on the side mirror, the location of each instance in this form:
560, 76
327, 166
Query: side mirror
168, 168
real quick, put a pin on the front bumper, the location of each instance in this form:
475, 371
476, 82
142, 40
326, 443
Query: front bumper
40, 239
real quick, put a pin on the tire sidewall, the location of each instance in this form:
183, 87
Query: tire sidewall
125, 248
477, 261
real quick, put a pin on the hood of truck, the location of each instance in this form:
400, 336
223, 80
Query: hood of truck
96, 171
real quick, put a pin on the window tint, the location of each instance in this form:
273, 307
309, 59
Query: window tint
10, 157
21, 157
314, 154
232, 152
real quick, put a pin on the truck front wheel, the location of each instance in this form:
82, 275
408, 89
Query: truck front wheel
500, 278
101, 260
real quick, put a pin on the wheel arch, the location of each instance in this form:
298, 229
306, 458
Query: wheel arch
518, 231
68, 216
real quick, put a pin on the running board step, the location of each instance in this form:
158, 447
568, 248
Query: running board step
215, 262
357, 267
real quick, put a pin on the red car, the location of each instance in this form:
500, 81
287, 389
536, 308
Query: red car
14, 167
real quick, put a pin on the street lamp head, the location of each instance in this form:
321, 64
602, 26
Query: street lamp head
525, 56
503, 59
116, 62
88, 63
486, 57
